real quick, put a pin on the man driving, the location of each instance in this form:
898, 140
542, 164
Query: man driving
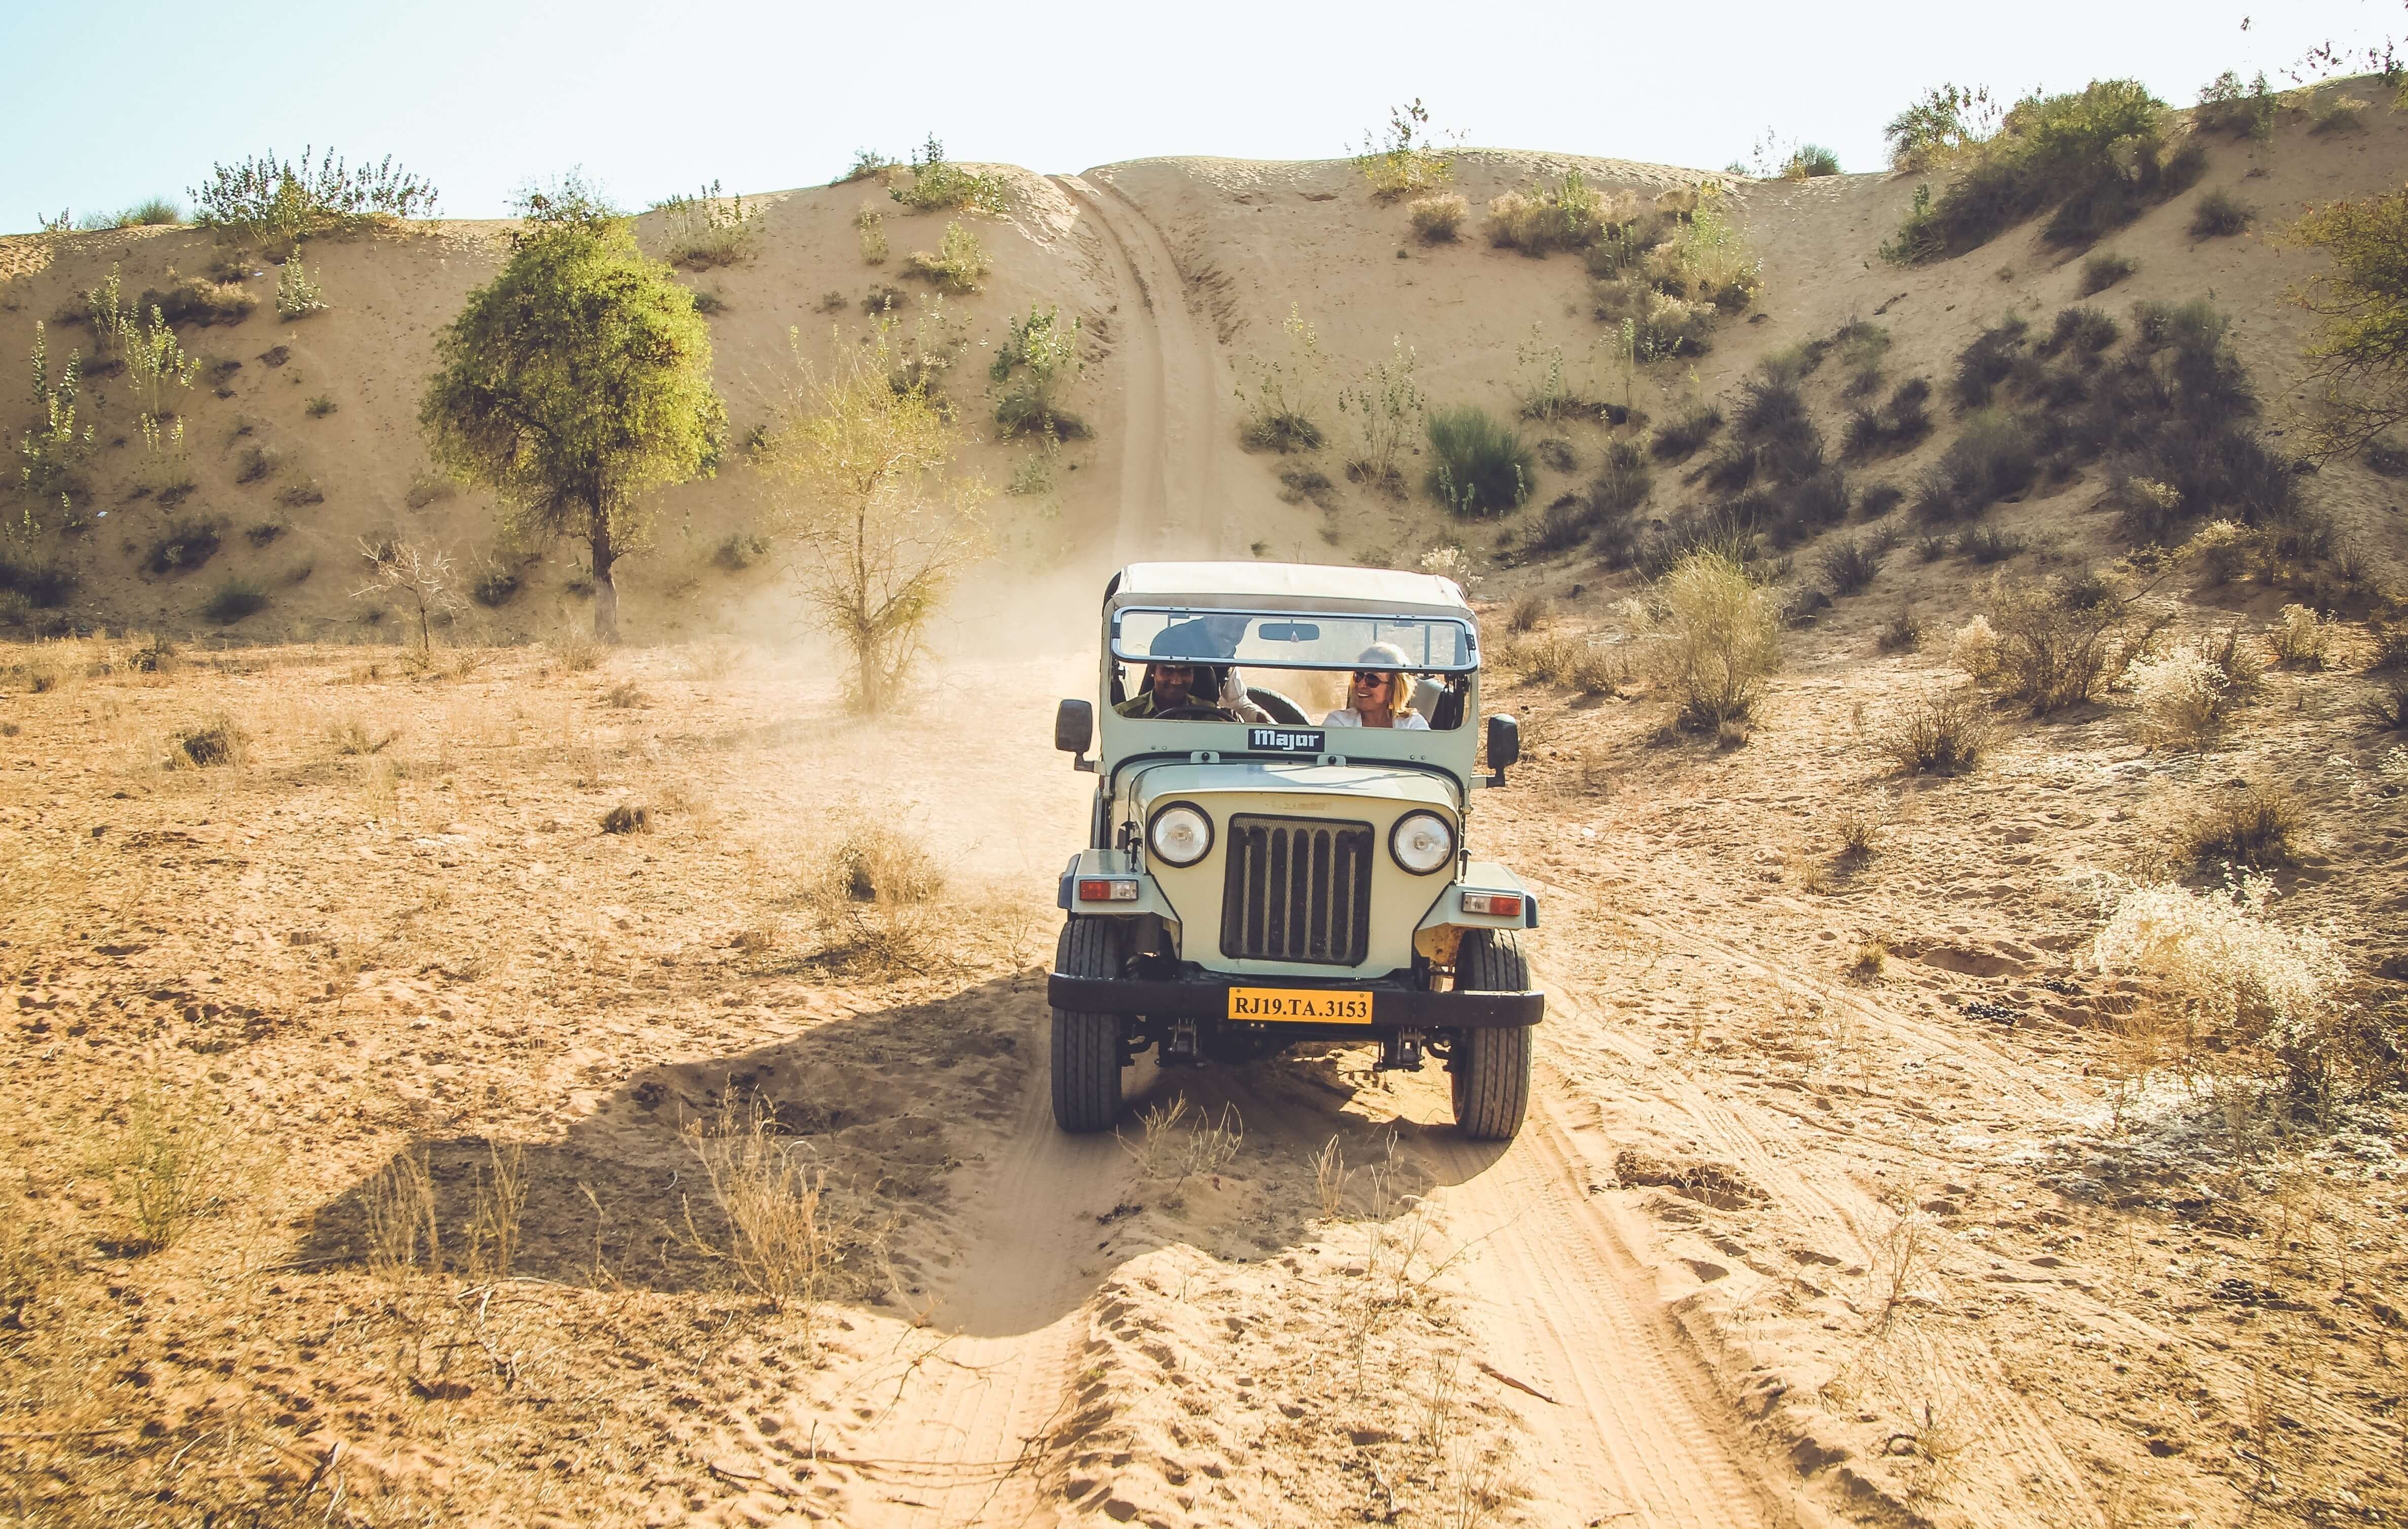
1172, 677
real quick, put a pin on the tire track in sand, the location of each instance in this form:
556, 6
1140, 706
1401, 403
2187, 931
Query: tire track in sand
1171, 395
1626, 1428
961, 1432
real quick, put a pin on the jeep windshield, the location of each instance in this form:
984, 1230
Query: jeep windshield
1264, 639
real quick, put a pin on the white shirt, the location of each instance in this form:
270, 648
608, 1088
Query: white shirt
1349, 717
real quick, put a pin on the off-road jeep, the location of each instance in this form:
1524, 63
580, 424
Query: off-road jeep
1248, 885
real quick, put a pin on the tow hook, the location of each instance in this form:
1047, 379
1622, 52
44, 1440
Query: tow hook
1180, 1050
1401, 1051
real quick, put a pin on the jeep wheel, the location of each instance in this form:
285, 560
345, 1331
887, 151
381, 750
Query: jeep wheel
1492, 1068
1087, 1046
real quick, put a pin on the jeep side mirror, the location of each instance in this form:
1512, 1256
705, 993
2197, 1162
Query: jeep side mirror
1074, 727
1504, 746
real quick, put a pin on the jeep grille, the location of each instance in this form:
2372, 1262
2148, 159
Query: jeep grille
1298, 889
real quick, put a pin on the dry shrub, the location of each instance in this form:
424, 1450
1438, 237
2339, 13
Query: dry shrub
794, 1241
1904, 633
628, 817
2302, 640
215, 742
1563, 658
2052, 642
576, 651
2228, 980
2187, 694
1861, 826
1937, 735
171, 1162
2250, 825
1869, 958
1721, 638
31, 1256
1179, 1145
351, 736
1527, 613
878, 897
2387, 707
404, 1233
1438, 220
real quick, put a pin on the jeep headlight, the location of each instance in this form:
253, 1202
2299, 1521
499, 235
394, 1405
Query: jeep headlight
1180, 834
1421, 842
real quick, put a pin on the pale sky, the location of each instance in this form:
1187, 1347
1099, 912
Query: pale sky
113, 102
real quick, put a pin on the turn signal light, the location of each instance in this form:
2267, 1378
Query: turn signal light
1496, 904
1101, 891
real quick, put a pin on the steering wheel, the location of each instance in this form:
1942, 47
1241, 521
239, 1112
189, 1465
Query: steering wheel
1192, 714
1280, 709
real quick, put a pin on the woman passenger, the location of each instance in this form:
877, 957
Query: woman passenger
1376, 693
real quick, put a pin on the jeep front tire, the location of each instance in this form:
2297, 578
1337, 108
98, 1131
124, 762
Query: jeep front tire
1087, 1046
1491, 1067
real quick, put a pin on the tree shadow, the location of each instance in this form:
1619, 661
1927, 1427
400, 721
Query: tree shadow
931, 1118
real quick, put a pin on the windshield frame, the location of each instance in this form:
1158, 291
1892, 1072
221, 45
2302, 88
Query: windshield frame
1324, 662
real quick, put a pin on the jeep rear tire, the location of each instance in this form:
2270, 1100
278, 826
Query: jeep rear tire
1492, 1068
1087, 1046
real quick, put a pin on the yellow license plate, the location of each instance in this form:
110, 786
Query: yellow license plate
1307, 1006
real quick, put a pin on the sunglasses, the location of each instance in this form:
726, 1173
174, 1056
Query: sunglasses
1365, 677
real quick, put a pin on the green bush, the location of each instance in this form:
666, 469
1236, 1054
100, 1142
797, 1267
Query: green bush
1988, 544
234, 600
282, 201
1809, 162
1900, 423
937, 184
2084, 330
2227, 105
1677, 439
44, 583
2220, 215
709, 228
2097, 155
866, 164
1482, 468
1995, 458
1942, 124
960, 264
1038, 358
182, 546
1568, 215
1400, 161
153, 212
2102, 271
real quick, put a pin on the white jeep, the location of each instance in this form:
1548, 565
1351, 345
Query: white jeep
1266, 861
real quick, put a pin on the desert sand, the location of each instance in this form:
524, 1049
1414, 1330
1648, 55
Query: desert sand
1790, 1238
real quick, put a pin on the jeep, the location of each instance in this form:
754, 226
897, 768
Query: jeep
1254, 876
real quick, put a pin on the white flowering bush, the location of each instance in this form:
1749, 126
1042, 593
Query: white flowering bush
2230, 978
2302, 640
1974, 648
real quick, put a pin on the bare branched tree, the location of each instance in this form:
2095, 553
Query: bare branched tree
423, 581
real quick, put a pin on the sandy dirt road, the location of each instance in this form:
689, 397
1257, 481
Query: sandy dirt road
1620, 1422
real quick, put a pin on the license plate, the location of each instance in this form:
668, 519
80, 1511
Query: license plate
1299, 1006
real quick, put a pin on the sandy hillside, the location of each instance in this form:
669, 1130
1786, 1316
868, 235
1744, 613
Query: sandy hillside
1844, 1199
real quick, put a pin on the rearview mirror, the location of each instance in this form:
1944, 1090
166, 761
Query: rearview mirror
1504, 744
1074, 727
1288, 632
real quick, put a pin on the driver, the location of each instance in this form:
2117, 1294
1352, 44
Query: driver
1171, 679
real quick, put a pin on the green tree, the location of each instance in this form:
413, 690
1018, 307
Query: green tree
2359, 350
576, 381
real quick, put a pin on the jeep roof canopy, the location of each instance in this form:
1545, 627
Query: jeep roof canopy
1284, 586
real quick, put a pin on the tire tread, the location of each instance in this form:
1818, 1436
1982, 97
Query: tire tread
1086, 1047
1492, 1067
